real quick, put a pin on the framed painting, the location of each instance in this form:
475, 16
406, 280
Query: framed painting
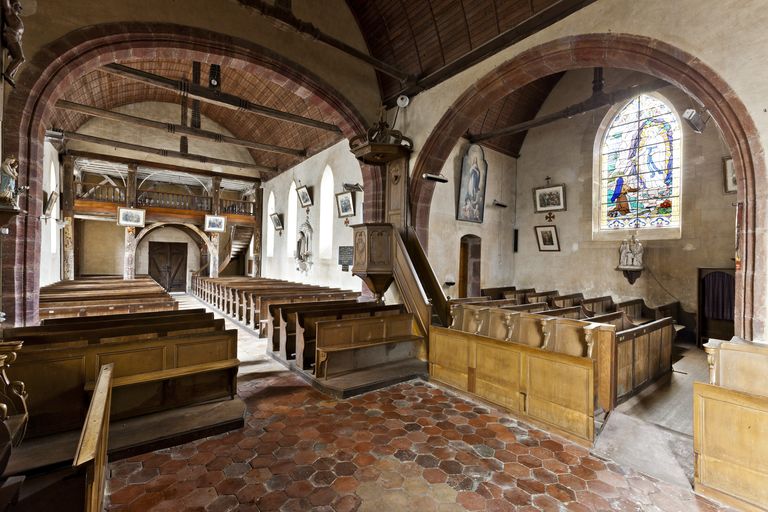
345, 204
729, 176
130, 217
546, 237
215, 223
305, 199
470, 206
277, 222
549, 199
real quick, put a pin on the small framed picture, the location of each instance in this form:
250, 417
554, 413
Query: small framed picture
50, 202
304, 198
345, 204
549, 199
130, 217
215, 223
546, 237
276, 221
729, 175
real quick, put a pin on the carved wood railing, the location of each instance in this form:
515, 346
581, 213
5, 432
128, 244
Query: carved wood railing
102, 192
407, 280
150, 198
237, 207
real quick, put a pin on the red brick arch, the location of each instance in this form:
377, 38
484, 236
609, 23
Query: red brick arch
655, 58
52, 70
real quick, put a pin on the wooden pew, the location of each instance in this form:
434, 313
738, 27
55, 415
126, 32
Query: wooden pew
90, 320
282, 332
82, 486
519, 294
599, 305
306, 326
566, 301
534, 297
641, 313
456, 305
497, 292
573, 312
158, 365
343, 346
472, 317
266, 319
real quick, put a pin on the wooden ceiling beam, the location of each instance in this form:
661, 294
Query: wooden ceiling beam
196, 133
158, 151
213, 96
594, 102
148, 164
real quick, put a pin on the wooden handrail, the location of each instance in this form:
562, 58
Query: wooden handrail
408, 282
94, 438
427, 276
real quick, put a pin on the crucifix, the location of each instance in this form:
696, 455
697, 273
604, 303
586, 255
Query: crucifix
550, 217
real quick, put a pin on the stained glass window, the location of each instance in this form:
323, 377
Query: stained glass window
640, 163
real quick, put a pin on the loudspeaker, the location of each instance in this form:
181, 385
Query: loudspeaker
515, 241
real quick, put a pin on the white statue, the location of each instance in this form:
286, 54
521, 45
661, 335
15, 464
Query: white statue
9, 192
637, 253
624, 254
304, 247
631, 254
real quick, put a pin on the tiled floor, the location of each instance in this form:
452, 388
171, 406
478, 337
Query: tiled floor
412, 446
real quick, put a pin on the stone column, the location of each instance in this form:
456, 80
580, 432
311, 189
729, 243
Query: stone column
129, 257
213, 256
68, 214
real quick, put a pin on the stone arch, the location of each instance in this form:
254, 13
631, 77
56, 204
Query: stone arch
53, 70
656, 58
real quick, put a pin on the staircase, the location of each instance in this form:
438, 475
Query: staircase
239, 240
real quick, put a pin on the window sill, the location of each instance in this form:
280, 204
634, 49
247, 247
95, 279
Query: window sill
640, 234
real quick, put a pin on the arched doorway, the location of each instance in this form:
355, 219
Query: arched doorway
469, 266
30, 107
651, 57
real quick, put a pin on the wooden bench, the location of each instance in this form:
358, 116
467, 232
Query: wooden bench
534, 297
347, 345
519, 294
91, 320
566, 301
322, 295
158, 365
306, 326
598, 305
282, 332
80, 487
641, 313
496, 292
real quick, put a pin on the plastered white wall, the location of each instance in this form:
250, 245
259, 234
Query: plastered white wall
324, 272
563, 151
51, 245
100, 247
496, 231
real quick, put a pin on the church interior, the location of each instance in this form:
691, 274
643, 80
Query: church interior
368, 255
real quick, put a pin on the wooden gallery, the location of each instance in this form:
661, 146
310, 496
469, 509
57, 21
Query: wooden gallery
361, 255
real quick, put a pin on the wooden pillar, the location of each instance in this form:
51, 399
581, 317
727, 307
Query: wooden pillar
131, 186
68, 214
215, 196
258, 211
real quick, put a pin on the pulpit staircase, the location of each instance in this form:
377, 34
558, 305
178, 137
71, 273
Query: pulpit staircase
239, 240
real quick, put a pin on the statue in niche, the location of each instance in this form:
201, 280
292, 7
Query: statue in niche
13, 30
304, 247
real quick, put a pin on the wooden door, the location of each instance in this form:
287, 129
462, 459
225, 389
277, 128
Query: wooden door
168, 265
463, 263
469, 266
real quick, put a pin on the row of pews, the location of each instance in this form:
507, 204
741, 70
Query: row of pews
322, 332
555, 360
159, 376
103, 295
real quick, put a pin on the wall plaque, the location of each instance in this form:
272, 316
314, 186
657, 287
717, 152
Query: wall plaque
346, 255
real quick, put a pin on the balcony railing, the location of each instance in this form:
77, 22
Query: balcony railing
154, 199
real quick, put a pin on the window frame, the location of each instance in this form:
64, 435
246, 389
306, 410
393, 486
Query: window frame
655, 233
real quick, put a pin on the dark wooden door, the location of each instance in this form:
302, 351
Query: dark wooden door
168, 265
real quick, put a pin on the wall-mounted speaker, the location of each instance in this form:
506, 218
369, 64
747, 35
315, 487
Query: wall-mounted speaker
515, 240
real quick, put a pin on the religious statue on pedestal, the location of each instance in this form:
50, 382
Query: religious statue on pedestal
9, 191
631, 258
304, 247
13, 29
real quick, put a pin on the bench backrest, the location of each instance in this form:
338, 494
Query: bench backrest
599, 305
308, 320
89, 320
540, 296
496, 292
566, 301
519, 294
349, 333
573, 312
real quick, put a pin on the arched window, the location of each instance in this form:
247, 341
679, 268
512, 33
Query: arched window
327, 200
54, 213
640, 158
270, 226
291, 222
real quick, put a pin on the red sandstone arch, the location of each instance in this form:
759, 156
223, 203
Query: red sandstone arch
654, 58
54, 68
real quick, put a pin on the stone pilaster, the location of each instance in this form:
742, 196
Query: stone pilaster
129, 261
213, 257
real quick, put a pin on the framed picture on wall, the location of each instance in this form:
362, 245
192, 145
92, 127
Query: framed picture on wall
546, 237
215, 223
305, 199
277, 223
729, 175
130, 217
549, 199
345, 204
474, 172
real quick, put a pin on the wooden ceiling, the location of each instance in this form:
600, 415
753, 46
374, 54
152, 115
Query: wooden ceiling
421, 37
107, 91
